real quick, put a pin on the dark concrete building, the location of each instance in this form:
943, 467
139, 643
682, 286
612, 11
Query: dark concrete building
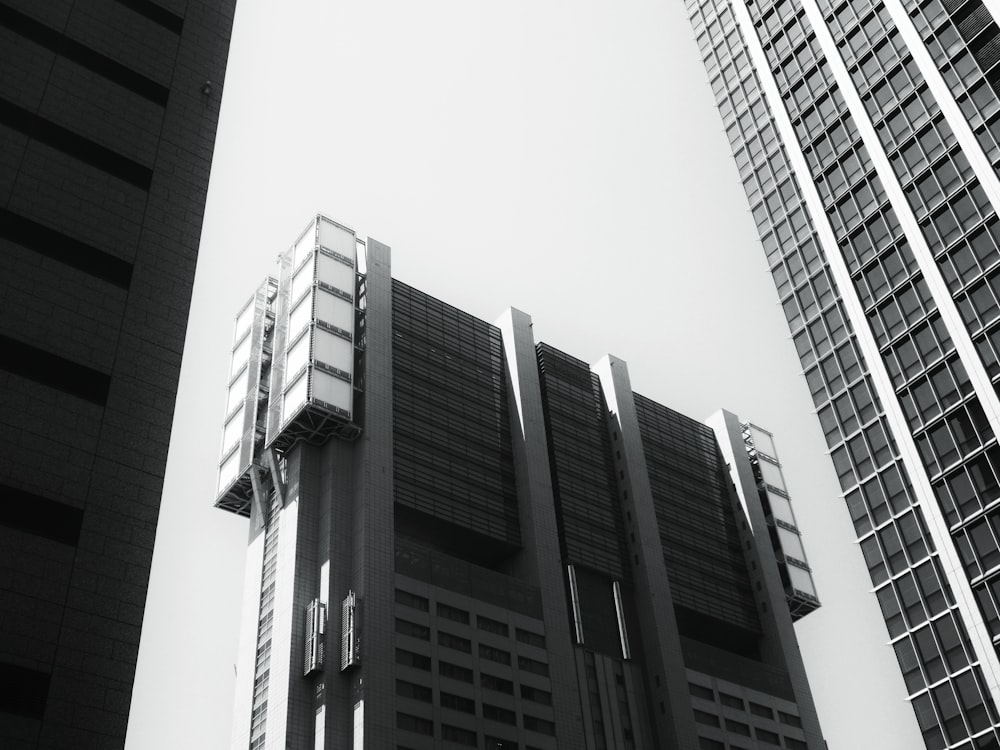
108, 112
460, 537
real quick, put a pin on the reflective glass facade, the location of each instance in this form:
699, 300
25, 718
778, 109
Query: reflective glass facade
864, 136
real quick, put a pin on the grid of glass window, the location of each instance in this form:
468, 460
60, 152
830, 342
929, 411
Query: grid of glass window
496, 687
964, 42
915, 347
717, 709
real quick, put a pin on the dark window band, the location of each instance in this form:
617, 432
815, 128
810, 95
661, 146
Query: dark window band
65, 249
34, 514
156, 14
83, 55
23, 691
75, 145
54, 371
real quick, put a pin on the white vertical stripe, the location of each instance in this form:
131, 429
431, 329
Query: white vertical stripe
981, 639
937, 526
281, 633
247, 654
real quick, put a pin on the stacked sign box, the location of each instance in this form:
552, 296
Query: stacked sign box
312, 380
246, 396
792, 564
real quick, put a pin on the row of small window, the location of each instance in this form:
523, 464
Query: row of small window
805, 260
771, 17
711, 24
906, 121
846, 413
934, 651
740, 728
730, 74
776, 203
488, 624
987, 595
885, 273
423, 633
955, 710
876, 235
917, 350
977, 253
809, 299
793, 40
934, 392
707, 743
988, 346
962, 73
834, 373
468, 705
911, 158
957, 217
961, 432
874, 502
827, 149
927, 15
977, 544
809, 89
896, 546
856, 41
842, 16
793, 234
466, 737
890, 93
861, 455
879, 61
946, 175
979, 305
420, 661
969, 488
856, 206
847, 171
849, 410
801, 64
902, 311
733, 701
915, 597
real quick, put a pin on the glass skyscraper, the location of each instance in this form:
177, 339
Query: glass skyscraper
866, 135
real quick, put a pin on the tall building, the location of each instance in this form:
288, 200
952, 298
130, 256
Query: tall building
867, 136
108, 111
459, 537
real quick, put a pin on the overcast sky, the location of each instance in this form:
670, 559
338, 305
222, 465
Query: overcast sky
564, 158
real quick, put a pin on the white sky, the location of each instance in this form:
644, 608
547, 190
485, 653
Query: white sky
564, 158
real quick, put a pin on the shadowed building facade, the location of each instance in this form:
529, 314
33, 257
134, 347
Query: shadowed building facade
866, 134
460, 537
108, 112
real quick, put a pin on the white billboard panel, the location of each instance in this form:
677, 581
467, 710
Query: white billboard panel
332, 390
298, 356
336, 238
335, 311
333, 350
301, 316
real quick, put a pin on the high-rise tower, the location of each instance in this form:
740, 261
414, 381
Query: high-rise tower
867, 136
108, 113
459, 537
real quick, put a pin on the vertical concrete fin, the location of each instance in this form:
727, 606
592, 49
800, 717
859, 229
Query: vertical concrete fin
671, 702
